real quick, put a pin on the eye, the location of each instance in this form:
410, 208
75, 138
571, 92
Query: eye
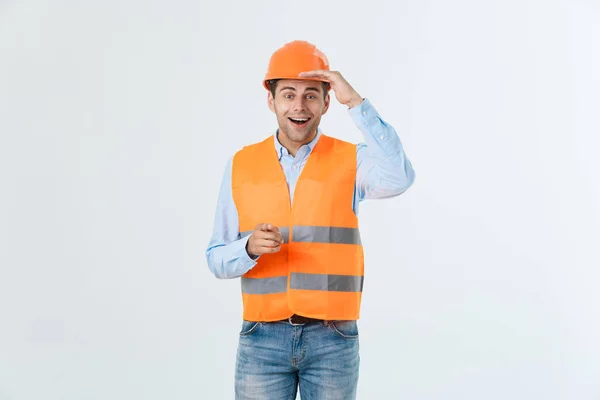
288, 95
311, 97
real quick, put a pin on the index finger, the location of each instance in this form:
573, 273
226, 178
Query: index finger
316, 73
272, 228
261, 227
267, 227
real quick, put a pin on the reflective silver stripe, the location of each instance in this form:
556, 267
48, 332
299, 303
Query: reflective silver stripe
285, 232
277, 284
325, 234
332, 283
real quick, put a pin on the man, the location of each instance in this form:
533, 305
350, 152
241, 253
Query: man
286, 224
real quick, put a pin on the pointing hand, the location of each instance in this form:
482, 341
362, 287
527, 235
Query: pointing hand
265, 238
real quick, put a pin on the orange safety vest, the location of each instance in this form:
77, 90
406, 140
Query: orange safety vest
319, 270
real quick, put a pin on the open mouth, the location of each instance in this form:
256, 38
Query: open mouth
299, 122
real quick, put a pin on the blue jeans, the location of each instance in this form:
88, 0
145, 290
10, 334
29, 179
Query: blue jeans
274, 359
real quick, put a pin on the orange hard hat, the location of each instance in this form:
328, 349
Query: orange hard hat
295, 57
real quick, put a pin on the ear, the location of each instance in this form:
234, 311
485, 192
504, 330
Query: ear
270, 101
327, 99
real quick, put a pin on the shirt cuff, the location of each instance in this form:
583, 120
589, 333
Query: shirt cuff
239, 250
364, 114
378, 135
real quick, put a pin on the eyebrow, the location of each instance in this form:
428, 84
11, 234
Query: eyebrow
294, 89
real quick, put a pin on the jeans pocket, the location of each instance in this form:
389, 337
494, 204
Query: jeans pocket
248, 327
346, 329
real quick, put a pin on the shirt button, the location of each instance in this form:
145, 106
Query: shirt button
364, 113
381, 137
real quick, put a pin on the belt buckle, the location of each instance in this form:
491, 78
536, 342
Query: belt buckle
292, 323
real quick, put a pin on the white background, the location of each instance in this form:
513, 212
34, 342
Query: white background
116, 121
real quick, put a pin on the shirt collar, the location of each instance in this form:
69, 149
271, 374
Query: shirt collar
282, 151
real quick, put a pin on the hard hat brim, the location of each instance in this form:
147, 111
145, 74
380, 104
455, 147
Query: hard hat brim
293, 78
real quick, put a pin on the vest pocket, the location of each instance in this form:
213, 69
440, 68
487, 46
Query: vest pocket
345, 329
248, 327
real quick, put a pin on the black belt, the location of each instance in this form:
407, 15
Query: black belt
300, 320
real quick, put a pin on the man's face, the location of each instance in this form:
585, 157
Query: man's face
299, 105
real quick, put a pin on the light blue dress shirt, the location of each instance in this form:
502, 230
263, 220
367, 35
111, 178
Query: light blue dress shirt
383, 170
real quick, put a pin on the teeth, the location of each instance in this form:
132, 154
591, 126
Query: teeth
299, 120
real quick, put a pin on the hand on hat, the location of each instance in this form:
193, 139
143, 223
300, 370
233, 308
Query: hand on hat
344, 93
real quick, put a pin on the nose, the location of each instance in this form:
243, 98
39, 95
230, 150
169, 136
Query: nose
299, 104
